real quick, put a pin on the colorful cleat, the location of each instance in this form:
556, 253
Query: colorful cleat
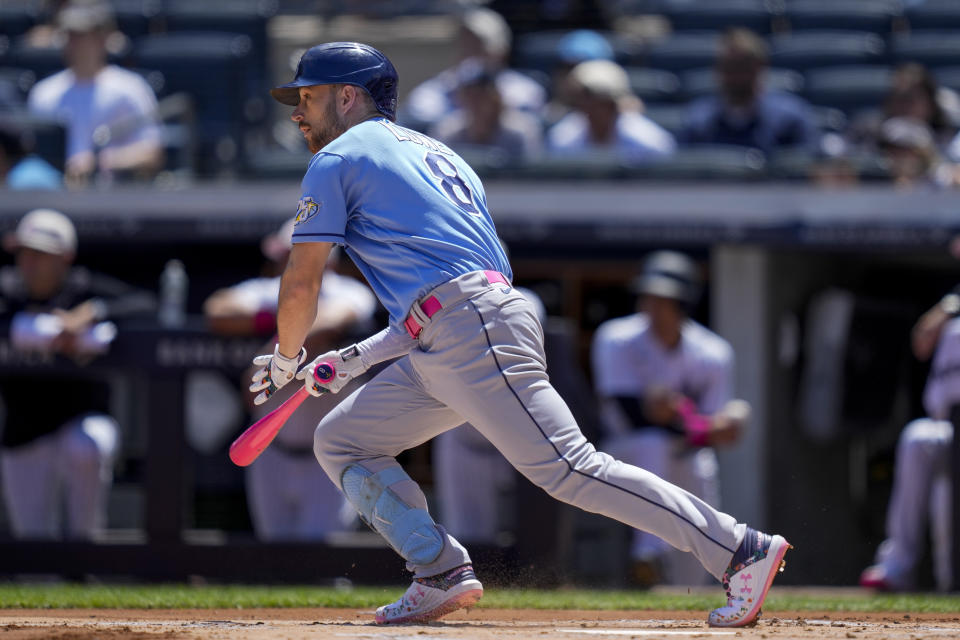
434, 597
876, 577
748, 581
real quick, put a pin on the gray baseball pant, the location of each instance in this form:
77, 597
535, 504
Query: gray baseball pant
480, 359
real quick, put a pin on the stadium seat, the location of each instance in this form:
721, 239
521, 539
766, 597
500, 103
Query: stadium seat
15, 84
717, 15
848, 88
653, 85
930, 48
49, 135
682, 51
17, 17
671, 117
875, 16
573, 166
811, 49
948, 77
701, 82
210, 67
623, 8
136, 18
248, 17
538, 49
710, 162
829, 119
43, 61
791, 164
934, 14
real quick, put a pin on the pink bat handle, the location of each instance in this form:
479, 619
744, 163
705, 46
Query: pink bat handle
260, 434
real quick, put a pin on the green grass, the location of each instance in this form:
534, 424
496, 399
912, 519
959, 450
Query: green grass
65, 596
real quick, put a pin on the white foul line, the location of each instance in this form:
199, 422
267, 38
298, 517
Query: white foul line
647, 632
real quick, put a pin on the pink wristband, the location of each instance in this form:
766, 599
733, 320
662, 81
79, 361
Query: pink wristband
264, 321
697, 427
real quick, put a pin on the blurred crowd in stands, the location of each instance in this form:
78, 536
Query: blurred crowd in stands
832, 91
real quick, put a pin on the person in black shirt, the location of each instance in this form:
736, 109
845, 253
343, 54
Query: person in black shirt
56, 454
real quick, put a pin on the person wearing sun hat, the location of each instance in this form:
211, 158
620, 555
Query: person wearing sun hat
608, 118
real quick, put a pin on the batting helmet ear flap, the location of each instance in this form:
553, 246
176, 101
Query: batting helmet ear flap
669, 274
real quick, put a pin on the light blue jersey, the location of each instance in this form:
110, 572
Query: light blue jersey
410, 212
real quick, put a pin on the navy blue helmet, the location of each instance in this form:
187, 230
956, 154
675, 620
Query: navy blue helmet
345, 63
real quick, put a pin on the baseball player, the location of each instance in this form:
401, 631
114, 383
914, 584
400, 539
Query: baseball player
922, 487
413, 217
56, 456
664, 384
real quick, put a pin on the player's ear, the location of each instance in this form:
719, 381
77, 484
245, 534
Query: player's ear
346, 98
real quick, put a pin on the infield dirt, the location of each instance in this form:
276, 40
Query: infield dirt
482, 624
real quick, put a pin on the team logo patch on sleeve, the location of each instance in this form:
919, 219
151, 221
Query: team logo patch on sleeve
306, 209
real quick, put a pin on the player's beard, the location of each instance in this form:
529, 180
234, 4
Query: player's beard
333, 127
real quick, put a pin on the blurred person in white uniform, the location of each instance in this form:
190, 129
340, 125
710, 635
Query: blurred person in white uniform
664, 383
289, 495
472, 479
922, 487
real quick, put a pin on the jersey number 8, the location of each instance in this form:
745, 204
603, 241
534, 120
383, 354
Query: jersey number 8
453, 185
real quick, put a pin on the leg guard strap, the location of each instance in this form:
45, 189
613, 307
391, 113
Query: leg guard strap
410, 531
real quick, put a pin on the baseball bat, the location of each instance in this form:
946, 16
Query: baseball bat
260, 434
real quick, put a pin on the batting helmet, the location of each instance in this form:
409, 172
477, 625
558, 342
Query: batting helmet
669, 274
345, 63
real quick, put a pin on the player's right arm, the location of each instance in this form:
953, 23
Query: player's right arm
926, 332
299, 289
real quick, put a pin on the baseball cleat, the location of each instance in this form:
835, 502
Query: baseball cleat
748, 579
876, 577
434, 597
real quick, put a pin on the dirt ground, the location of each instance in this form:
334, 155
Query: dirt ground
352, 624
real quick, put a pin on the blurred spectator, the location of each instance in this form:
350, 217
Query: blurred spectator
58, 442
910, 154
19, 168
913, 94
744, 112
484, 35
665, 384
575, 47
922, 475
110, 112
608, 118
483, 124
290, 496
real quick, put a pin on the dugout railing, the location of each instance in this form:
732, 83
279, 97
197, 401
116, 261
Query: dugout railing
768, 250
